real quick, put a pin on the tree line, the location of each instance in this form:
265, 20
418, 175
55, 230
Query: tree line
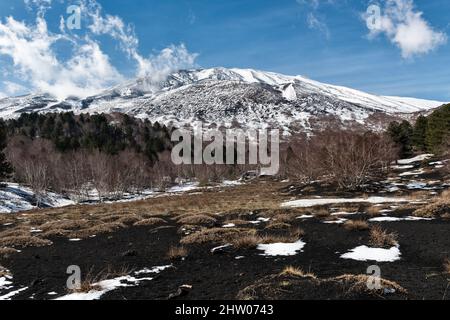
114, 154
428, 134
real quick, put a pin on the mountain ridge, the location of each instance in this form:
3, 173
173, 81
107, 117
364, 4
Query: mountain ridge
228, 96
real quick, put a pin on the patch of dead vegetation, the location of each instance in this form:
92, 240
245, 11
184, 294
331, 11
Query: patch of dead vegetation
97, 229
55, 233
373, 211
23, 241
176, 253
64, 225
274, 225
5, 219
356, 225
83, 221
439, 208
322, 213
297, 272
150, 222
236, 222
5, 253
251, 241
381, 238
129, 219
4, 272
217, 235
91, 281
294, 284
283, 218
16, 232
447, 266
198, 219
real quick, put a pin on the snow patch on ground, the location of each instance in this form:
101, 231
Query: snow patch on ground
106, 286
338, 221
412, 173
419, 158
395, 219
364, 253
17, 198
14, 198
6, 284
282, 249
306, 203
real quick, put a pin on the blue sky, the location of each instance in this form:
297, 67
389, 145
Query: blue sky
326, 40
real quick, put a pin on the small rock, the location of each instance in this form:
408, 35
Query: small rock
130, 253
181, 292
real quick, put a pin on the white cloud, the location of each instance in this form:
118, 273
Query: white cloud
407, 29
31, 49
13, 88
155, 67
313, 19
87, 69
316, 23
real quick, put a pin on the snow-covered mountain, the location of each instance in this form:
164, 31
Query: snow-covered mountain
231, 96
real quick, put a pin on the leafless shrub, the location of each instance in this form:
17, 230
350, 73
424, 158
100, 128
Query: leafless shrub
347, 158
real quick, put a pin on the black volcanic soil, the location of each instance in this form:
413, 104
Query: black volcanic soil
424, 246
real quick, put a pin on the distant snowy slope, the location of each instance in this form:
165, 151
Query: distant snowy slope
225, 96
14, 198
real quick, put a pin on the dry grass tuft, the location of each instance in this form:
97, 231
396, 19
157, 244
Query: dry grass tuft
5, 253
24, 241
55, 233
4, 219
97, 229
251, 241
359, 283
374, 211
277, 226
129, 219
17, 232
91, 281
247, 242
4, 272
296, 272
218, 235
150, 222
237, 222
434, 210
381, 238
64, 225
321, 213
440, 207
356, 225
447, 266
198, 220
284, 218
176, 253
